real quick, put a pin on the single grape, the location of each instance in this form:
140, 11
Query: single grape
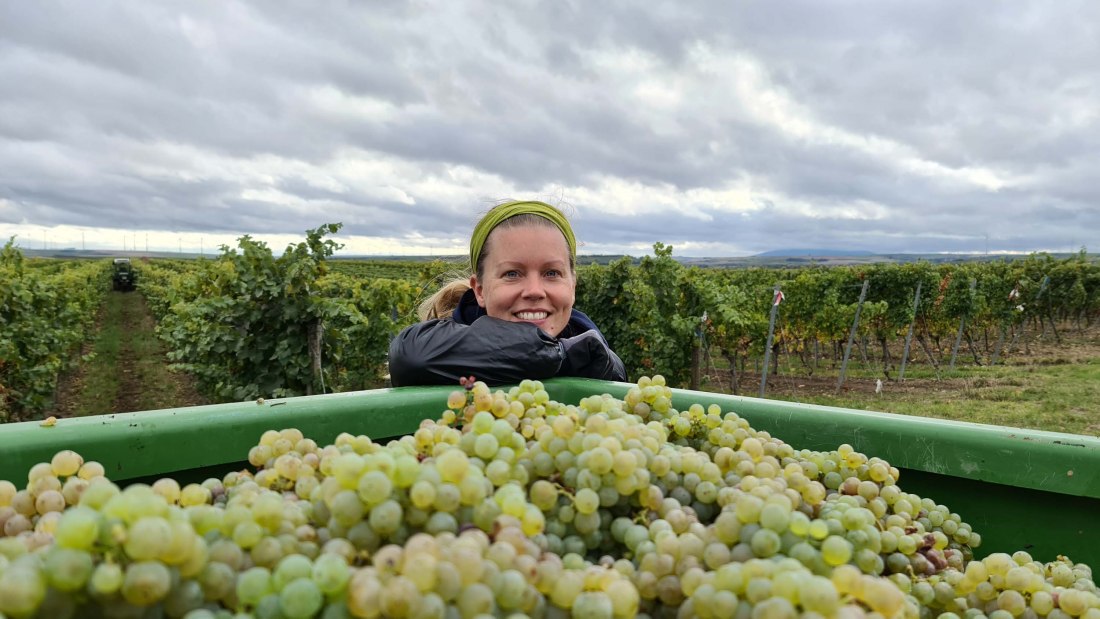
68, 569
290, 568
168, 488
386, 517
331, 573
66, 463
78, 528
183, 599
253, 584
300, 598
146, 583
105, 580
147, 538
90, 470
374, 487
7, 492
22, 589
586, 501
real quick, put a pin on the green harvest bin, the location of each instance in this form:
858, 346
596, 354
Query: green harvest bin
1021, 489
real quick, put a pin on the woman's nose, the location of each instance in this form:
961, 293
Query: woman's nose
532, 287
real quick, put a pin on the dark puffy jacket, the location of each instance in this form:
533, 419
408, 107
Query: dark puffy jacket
438, 352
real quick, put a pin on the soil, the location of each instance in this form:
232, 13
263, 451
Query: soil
130, 387
70, 385
145, 381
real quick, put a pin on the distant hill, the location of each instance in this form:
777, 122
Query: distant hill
850, 259
819, 253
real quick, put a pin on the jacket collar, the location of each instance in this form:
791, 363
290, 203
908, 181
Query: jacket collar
468, 311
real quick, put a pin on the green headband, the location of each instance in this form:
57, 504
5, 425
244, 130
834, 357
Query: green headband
494, 217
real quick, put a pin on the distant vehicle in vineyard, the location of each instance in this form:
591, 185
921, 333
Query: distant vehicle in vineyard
123, 277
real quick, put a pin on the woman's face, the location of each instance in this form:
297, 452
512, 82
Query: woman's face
526, 277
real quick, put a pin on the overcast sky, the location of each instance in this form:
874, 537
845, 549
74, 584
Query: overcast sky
722, 128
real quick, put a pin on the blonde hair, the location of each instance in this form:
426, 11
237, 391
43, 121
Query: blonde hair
443, 303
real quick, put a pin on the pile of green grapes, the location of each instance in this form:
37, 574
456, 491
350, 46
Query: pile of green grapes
510, 504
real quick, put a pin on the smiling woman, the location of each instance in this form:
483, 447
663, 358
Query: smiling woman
513, 318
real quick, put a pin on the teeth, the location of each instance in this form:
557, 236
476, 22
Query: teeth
532, 315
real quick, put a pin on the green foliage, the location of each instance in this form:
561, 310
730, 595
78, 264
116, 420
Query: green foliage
46, 312
620, 304
411, 270
650, 312
243, 323
376, 310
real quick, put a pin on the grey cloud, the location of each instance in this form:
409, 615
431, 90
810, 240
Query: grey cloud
116, 109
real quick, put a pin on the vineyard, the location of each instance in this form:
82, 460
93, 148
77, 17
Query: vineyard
509, 503
661, 315
251, 325
47, 309
248, 324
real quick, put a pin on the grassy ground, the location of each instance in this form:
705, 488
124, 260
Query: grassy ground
1056, 387
128, 371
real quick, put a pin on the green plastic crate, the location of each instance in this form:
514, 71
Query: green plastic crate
1021, 489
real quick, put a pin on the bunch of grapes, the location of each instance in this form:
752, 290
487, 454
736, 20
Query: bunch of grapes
510, 504
51, 487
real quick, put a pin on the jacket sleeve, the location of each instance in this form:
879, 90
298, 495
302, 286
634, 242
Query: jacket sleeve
618, 370
438, 352
612, 370
587, 355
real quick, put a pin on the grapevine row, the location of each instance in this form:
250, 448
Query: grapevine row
243, 323
47, 309
653, 312
248, 324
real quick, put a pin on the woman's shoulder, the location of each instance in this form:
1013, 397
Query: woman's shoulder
423, 326
579, 322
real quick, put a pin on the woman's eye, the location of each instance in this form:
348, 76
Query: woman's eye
511, 274
553, 273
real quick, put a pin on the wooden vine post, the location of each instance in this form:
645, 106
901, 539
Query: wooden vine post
909, 334
1013, 296
852, 336
1049, 311
777, 297
697, 354
962, 327
1000, 344
1023, 325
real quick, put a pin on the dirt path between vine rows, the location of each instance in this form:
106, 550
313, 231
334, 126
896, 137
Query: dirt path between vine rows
125, 367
